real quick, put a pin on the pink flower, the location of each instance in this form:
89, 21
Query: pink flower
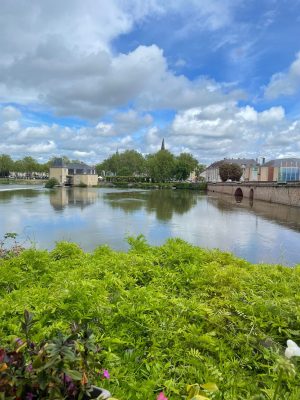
29, 368
106, 374
161, 396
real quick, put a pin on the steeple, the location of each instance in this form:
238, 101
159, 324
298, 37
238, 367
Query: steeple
163, 144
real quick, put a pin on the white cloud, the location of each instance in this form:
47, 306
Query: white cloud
10, 113
228, 130
65, 61
11, 127
285, 83
45, 147
84, 154
103, 129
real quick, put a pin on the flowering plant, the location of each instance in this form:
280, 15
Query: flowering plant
61, 368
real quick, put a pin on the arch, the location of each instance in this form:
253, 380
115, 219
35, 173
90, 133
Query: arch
238, 194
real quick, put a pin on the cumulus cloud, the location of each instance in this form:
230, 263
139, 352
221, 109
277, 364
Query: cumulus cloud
228, 130
65, 61
60, 56
285, 83
9, 113
90, 86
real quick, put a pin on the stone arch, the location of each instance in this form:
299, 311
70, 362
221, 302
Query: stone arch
238, 194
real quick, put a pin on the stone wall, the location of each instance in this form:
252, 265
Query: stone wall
59, 173
288, 194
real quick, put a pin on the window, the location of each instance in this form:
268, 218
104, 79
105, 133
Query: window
288, 174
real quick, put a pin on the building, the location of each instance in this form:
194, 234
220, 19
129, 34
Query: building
73, 174
249, 167
279, 170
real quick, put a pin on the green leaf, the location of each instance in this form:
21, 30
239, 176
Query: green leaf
76, 375
210, 386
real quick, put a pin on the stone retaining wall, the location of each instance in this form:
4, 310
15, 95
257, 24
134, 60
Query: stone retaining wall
288, 194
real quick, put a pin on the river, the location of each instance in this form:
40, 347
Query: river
259, 231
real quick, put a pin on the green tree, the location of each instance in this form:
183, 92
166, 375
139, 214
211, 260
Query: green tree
161, 166
236, 172
124, 164
199, 169
185, 164
30, 165
230, 171
6, 165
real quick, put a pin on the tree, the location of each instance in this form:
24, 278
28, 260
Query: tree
161, 166
230, 171
199, 169
185, 164
6, 165
236, 172
30, 165
124, 164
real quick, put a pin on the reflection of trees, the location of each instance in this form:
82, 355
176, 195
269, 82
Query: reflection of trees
77, 197
10, 194
163, 202
279, 213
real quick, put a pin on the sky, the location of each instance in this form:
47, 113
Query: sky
215, 78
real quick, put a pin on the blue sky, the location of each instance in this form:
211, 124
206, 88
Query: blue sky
216, 78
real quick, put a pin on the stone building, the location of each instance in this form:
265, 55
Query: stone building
73, 174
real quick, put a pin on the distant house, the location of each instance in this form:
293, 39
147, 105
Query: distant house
281, 170
73, 174
249, 167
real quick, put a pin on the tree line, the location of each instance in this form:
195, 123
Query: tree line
162, 166
25, 165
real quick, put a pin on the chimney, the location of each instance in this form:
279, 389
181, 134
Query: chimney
263, 160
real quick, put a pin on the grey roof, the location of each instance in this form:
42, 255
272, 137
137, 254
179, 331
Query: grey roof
78, 166
59, 163
283, 162
240, 161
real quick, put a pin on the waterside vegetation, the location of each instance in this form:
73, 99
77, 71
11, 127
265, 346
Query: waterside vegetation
165, 317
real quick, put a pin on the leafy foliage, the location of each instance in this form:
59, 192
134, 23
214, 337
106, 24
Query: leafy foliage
185, 164
230, 171
165, 316
51, 183
128, 163
59, 368
161, 166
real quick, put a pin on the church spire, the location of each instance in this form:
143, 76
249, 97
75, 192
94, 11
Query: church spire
163, 144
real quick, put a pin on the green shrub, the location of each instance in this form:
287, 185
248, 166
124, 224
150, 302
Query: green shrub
82, 185
51, 183
166, 316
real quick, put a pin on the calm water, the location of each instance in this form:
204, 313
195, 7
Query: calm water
258, 232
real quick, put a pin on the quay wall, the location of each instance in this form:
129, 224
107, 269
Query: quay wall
288, 194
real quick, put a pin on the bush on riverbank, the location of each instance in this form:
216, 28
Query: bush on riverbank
165, 316
51, 183
161, 185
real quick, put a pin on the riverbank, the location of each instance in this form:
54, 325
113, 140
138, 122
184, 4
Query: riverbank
5, 181
164, 316
160, 185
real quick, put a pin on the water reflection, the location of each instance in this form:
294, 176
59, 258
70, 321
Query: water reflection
77, 197
257, 231
8, 195
279, 213
164, 203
